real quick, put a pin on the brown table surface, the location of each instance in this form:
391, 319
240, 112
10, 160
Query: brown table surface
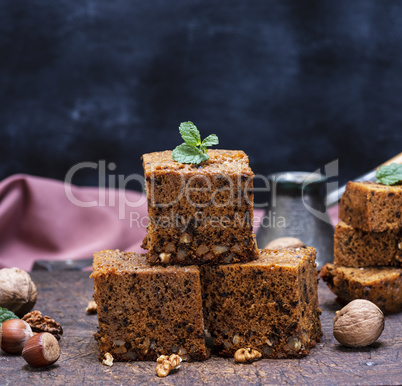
64, 296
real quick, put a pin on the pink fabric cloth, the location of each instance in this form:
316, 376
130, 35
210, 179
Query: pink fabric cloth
39, 222
333, 213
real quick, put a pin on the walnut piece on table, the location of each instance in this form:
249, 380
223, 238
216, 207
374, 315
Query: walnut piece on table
167, 364
40, 323
91, 308
246, 355
108, 360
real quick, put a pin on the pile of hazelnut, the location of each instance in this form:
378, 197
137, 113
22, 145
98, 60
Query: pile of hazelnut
38, 350
36, 336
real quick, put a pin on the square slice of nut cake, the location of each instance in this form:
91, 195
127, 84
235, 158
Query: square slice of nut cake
269, 305
146, 311
371, 206
199, 214
380, 285
354, 247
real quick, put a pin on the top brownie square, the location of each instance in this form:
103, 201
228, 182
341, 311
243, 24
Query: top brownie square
199, 214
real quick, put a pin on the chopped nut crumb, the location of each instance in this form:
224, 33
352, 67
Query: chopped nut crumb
244, 355
119, 350
145, 345
108, 361
183, 354
227, 345
293, 344
268, 350
218, 249
202, 249
167, 364
91, 308
181, 254
185, 238
236, 248
236, 339
170, 248
164, 257
229, 258
400, 245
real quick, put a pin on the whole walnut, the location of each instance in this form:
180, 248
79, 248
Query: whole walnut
358, 324
17, 291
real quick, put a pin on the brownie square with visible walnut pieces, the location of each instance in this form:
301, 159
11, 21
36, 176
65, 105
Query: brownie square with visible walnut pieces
145, 311
199, 214
270, 305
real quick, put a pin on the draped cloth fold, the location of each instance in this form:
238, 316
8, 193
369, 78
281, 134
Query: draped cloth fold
45, 219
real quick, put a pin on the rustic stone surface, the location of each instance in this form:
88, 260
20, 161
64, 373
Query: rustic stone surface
65, 295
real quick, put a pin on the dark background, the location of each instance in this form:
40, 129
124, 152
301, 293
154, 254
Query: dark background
295, 84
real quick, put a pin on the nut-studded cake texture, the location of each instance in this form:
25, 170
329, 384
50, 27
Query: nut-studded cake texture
380, 285
371, 206
199, 214
357, 248
269, 305
145, 311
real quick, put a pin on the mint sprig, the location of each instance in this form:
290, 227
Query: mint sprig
193, 150
389, 174
6, 315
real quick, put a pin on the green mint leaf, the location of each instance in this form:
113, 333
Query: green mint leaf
193, 151
6, 315
389, 174
186, 154
190, 134
211, 140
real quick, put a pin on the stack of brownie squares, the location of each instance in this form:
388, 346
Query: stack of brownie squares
204, 285
368, 246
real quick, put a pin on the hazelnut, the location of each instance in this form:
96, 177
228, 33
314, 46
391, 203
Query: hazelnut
285, 242
41, 350
358, 324
14, 333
